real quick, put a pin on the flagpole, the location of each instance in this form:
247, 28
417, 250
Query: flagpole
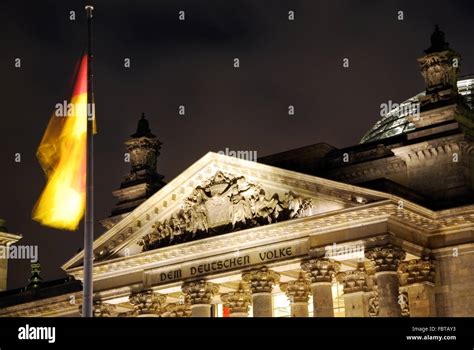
89, 215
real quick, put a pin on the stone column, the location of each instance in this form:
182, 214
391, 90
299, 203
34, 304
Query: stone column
355, 288
6, 240
386, 259
321, 272
298, 292
200, 294
239, 301
147, 303
3, 270
418, 276
261, 282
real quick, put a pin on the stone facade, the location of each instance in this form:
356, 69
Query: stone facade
454, 281
233, 238
6, 239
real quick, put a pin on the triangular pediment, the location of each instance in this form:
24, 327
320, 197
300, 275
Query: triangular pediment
218, 195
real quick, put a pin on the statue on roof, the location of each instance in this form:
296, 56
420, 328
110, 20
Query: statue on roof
438, 42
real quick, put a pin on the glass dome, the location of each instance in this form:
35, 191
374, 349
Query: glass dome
395, 121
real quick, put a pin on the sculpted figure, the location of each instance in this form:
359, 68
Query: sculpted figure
174, 226
198, 195
200, 218
373, 306
197, 219
240, 211
294, 204
220, 202
167, 229
297, 205
276, 206
160, 231
263, 207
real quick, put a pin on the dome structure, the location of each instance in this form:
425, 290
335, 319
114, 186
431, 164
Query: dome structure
395, 122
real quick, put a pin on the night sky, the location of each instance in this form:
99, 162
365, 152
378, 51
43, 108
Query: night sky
190, 63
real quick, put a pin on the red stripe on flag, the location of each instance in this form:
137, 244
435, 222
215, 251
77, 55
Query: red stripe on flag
81, 82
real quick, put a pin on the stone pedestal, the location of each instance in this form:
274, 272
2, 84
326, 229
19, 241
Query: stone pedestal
261, 282
321, 272
386, 260
200, 294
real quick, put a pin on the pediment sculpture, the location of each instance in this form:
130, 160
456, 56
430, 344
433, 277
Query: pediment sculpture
224, 203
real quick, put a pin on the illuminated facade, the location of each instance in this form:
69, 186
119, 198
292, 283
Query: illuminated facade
370, 230
5, 240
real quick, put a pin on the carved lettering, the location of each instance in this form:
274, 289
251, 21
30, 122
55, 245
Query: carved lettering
224, 263
171, 275
275, 254
219, 265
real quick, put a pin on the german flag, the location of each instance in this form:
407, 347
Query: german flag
62, 155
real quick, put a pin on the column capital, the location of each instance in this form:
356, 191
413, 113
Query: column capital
298, 290
321, 269
239, 300
147, 302
354, 280
386, 257
102, 309
199, 292
418, 270
177, 310
261, 280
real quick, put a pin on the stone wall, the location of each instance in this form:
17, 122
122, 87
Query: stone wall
454, 287
3, 274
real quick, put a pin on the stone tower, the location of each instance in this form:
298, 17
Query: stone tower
143, 180
439, 68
